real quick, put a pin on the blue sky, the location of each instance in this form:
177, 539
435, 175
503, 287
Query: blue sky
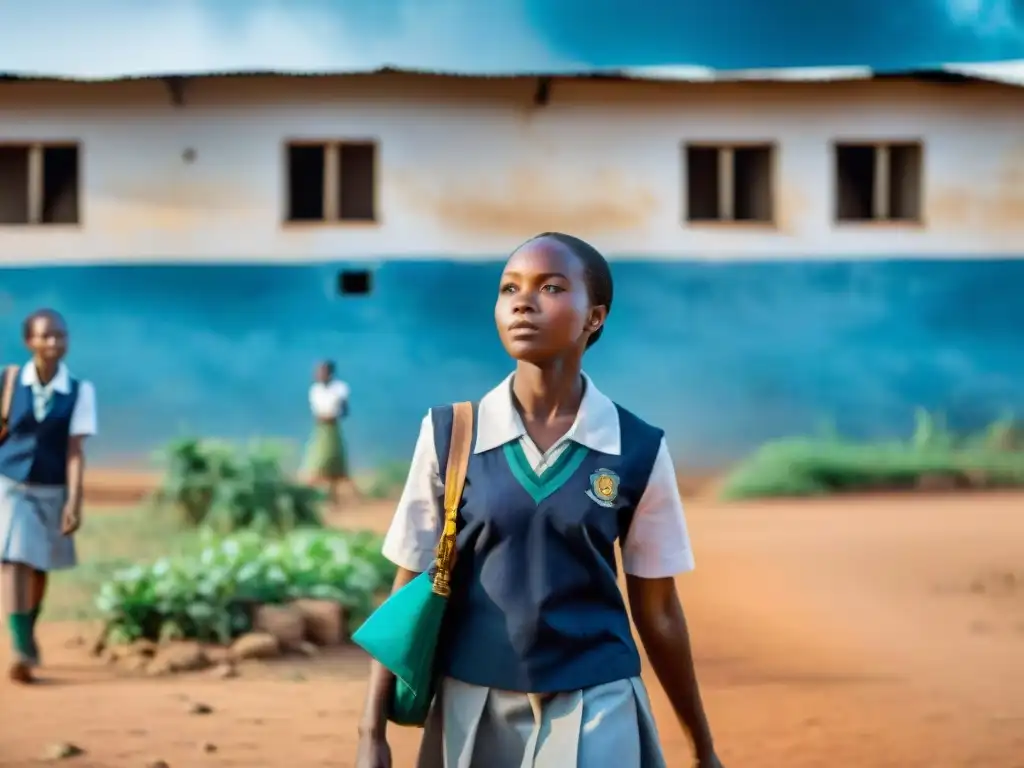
113, 38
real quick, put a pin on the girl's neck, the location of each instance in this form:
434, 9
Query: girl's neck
46, 370
546, 391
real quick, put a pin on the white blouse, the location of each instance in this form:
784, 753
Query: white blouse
83, 417
658, 542
327, 400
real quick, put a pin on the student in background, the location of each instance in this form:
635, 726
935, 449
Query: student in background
326, 458
49, 414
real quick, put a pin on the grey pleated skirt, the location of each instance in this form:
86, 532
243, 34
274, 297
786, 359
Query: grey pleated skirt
607, 726
30, 522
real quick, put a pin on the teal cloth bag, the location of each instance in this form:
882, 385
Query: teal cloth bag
402, 634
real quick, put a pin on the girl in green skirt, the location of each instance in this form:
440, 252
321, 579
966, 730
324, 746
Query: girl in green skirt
326, 460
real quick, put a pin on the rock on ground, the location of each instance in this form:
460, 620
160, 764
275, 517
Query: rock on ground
256, 645
284, 622
326, 621
62, 750
184, 656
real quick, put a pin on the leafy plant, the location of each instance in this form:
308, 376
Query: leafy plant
216, 485
209, 597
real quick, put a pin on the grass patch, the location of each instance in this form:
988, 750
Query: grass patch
110, 540
933, 457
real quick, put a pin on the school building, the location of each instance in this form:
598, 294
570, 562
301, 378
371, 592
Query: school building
789, 255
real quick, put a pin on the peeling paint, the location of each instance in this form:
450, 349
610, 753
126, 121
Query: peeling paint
994, 208
791, 209
529, 200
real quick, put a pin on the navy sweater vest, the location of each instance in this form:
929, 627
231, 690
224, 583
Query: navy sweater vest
536, 606
36, 452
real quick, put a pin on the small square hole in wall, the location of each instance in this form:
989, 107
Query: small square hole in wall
354, 282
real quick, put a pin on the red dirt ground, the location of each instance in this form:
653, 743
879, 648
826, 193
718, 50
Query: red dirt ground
856, 633
108, 487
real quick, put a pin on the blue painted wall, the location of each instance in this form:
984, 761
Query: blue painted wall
723, 356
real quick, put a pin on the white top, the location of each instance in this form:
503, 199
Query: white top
657, 544
326, 400
83, 417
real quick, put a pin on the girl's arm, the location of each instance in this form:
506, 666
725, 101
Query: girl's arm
661, 624
76, 470
410, 544
83, 425
373, 723
71, 518
656, 550
343, 395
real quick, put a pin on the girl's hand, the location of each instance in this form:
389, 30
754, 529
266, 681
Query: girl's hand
71, 518
373, 752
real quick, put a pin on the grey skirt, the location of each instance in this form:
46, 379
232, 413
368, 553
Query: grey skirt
30, 522
607, 726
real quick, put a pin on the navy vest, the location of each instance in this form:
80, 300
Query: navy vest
536, 606
37, 452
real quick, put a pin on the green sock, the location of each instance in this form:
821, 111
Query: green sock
35, 620
21, 633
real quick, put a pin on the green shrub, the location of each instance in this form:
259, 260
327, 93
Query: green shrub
1006, 434
385, 482
814, 467
210, 596
216, 485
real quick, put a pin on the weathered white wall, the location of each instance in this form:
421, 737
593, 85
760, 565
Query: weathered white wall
471, 167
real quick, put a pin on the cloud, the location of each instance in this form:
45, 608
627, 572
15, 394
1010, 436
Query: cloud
114, 38
986, 18
97, 39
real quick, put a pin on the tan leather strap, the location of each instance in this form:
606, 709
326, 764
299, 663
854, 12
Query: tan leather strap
455, 480
9, 383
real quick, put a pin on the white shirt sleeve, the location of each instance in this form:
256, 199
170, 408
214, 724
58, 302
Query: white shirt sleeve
83, 417
341, 390
658, 542
411, 541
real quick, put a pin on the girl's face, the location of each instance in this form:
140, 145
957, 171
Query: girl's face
322, 373
48, 338
543, 308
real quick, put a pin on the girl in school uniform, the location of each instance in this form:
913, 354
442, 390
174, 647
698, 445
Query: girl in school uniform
42, 463
326, 459
539, 666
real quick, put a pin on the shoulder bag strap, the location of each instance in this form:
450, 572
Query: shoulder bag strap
10, 382
454, 481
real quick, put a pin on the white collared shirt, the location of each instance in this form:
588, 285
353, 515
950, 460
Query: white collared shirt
327, 400
658, 542
83, 417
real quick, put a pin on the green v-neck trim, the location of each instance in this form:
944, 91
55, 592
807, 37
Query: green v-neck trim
551, 479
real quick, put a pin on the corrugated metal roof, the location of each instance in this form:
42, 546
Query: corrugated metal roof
655, 39
1010, 72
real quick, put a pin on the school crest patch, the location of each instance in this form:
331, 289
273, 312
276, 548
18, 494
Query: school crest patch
604, 487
